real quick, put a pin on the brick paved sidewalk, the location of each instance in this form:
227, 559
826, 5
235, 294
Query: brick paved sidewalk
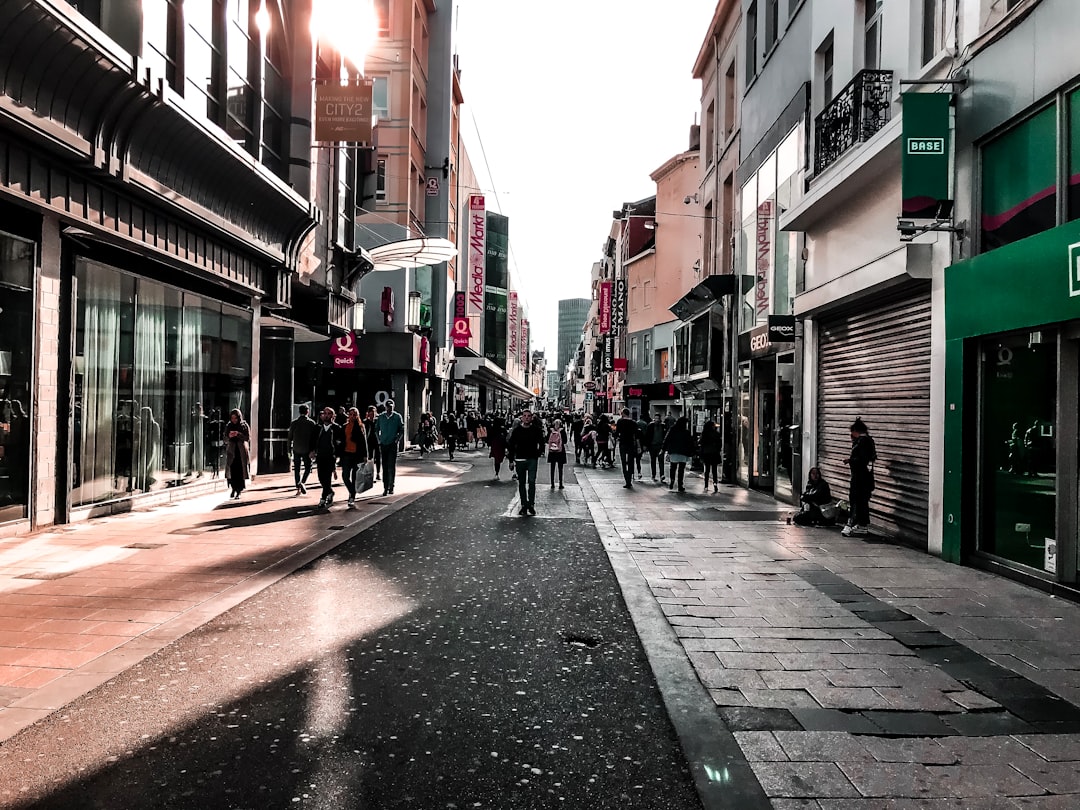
83, 602
853, 671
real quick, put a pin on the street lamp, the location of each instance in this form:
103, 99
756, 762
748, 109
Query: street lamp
412, 313
356, 316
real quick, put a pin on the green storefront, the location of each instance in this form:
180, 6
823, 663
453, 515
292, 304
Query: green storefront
1012, 415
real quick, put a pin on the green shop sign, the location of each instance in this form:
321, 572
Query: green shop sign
925, 159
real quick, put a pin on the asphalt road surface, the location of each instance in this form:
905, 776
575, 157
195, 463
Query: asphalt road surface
448, 657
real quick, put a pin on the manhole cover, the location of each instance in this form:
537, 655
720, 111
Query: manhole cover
146, 545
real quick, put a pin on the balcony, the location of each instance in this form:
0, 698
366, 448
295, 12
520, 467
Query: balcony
862, 108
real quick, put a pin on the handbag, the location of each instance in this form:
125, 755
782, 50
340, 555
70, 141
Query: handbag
365, 477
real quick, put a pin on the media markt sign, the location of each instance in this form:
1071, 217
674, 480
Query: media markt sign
1074, 269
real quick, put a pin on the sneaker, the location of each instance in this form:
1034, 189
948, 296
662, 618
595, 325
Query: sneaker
303, 489
322, 503
523, 511
329, 500
391, 490
385, 492
532, 511
560, 485
847, 530
860, 530
351, 504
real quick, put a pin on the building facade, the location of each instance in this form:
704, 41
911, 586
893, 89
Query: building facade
573, 313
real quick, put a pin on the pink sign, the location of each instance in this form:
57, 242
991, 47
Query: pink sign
462, 333
605, 307
345, 350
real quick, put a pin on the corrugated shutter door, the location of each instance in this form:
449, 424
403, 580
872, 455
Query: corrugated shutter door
874, 363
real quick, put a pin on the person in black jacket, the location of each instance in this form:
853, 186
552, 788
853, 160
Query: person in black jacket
654, 442
301, 443
679, 445
525, 445
329, 440
860, 465
815, 495
626, 431
710, 449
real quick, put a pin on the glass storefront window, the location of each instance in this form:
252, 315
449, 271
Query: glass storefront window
156, 373
16, 365
745, 438
1019, 181
1018, 427
747, 254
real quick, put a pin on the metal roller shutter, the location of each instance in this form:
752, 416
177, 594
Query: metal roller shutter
875, 364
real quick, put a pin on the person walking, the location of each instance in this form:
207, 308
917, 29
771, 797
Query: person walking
328, 444
626, 431
448, 429
861, 481
654, 442
391, 427
603, 442
642, 425
710, 449
370, 415
679, 445
301, 443
237, 452
353, 453
576, 425
556, 454
525, 445
497, 444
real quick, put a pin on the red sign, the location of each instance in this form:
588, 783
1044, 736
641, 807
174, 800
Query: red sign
345, 350
462, 333
634, 392
605, 307
620, 364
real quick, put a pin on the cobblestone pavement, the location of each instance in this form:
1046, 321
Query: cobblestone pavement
855, 674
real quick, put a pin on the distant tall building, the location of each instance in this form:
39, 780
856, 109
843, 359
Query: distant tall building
572, 315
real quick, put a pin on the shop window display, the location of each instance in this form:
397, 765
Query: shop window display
156, 370
16, 363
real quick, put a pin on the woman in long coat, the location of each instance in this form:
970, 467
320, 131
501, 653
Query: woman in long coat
237, 452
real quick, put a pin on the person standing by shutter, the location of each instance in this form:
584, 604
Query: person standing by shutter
860, 469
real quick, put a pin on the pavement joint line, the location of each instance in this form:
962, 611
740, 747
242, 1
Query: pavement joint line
722, 774
42, 702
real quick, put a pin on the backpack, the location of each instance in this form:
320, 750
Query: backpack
555, 442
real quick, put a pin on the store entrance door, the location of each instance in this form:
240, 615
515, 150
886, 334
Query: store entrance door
764, 424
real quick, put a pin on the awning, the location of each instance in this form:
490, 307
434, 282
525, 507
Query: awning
481, 371
301, 332
409, 253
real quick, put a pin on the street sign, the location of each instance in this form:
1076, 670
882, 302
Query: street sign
432, 188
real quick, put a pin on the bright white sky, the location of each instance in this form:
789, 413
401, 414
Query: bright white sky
576, 102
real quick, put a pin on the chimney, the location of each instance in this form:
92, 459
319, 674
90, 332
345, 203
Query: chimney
695, 136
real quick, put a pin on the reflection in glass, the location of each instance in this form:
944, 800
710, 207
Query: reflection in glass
16, 340
1019, 446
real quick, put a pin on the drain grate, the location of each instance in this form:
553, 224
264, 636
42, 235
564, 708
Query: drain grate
45, 575
146, 545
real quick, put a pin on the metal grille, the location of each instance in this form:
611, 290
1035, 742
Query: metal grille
875, 364
859, 110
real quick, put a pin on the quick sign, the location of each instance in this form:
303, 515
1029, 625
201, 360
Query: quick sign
1074, 269
925, 158
345, 350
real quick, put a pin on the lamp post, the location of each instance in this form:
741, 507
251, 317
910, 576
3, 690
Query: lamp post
356, 316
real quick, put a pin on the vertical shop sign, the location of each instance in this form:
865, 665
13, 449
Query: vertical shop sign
524, 343
512, 323
924, 161
618, 307
609, 353
477, 255
764, 257
605, 307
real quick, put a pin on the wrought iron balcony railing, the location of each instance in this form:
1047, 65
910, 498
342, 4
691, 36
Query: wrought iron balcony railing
859, 110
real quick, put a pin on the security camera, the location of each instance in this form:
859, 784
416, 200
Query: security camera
686, 200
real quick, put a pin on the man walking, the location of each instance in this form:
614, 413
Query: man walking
626, 431
525, 445
654, 441
390, 427
328, 442
302, 443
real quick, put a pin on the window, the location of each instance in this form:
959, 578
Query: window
647, 294
633, 352
710, 134
1073, 192
239, 122
380, 98
1019, 181
380, 181
872, 48
772, 23
933, 32
827, 65
646, 350
708, 224
161, 34
275, 99
751, 41
729, 100
204, 51
382, 12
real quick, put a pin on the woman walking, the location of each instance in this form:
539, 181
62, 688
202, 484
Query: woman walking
372, 438
496, 439
710, 448
237, 452
353, 453
679, 445
557, 451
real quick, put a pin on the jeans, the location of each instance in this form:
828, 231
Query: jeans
656, 459
326, 470
678, 468
389, 465
627, 458
298, 460
350, 462
526, 469
554, 465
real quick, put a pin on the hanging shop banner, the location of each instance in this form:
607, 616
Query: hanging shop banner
609, 354
513, 323
763, 263
477, 255
345, 350
618, 307
524, 339
924, 166
343, 113
605, 307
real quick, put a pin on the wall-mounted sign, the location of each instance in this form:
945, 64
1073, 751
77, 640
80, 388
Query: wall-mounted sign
618, 307
512, 325
924, 161
345, 350
477, 255
431, 187
343, 113
763, 262
462, 333
609, 353
604, 307
781, 329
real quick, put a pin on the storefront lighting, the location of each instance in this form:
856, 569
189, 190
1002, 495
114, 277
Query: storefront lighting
412, 319
356, 316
